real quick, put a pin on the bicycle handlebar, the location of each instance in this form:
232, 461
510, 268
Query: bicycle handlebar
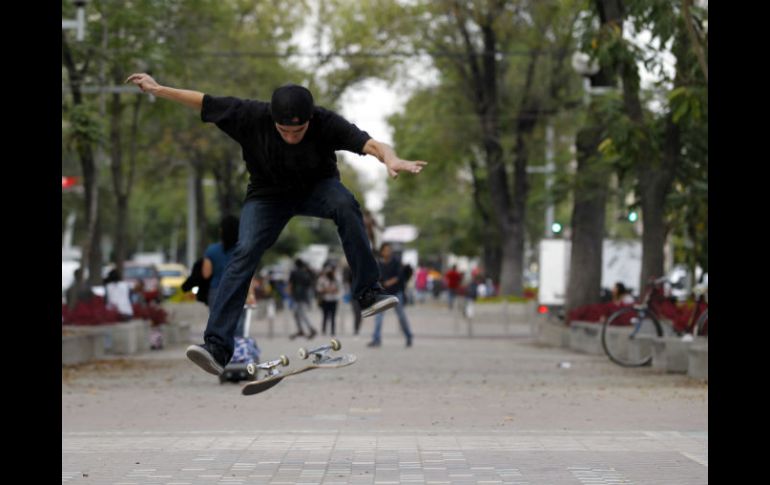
657, 281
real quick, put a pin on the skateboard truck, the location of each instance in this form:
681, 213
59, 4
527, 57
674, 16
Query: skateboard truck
321, 353
271, 366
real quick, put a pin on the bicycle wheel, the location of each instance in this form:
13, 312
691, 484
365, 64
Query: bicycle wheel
630, 345
701, 327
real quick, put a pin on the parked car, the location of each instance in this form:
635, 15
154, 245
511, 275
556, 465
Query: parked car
134, 272
172, 275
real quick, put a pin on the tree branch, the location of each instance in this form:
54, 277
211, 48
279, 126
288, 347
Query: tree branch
695, 39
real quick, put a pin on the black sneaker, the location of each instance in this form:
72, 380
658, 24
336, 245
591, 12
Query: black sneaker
207, 358
375, 300
373, 343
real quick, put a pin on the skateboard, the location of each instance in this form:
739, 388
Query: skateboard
321, 360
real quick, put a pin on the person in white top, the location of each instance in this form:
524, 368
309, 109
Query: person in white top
118, 295
621, 295
328, 290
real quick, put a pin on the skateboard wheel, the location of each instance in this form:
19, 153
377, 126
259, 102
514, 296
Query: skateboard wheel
284, 360
251, 369
336, 345
302, 353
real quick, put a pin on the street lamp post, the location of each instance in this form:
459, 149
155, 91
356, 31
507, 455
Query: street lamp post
79, 23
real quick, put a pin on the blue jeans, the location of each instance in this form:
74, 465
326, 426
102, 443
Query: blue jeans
241, 320
262, 221
300, 316
402, 320
451, 296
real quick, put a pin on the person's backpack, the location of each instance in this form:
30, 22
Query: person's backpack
246, 351
196, 279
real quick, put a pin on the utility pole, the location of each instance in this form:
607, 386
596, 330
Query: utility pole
548, 169
191, 226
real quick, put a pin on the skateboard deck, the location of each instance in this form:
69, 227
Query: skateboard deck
321, 360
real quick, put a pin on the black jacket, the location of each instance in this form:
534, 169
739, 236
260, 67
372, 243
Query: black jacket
196, 279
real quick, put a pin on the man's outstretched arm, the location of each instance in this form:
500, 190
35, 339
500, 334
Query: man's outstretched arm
386, 155
146, 83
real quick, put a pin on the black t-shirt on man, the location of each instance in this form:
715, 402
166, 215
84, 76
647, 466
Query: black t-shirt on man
276, 167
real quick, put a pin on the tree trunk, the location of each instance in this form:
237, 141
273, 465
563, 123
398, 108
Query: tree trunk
588, 215
480, 73
498, 189
493, 257
513, 242
655, 183
116, 162
513, 249
512, 267
225, 174
585, 275
122, 182
497, 180
656, 178
491, 250
91, 247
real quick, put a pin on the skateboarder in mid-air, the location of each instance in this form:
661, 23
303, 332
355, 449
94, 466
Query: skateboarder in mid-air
288, 145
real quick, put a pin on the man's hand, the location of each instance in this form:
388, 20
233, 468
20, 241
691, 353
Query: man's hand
387, 156
396, 165
145, 82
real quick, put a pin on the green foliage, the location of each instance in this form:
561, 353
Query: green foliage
85, 126
244, 48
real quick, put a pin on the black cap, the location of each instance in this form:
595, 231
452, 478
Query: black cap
291, 105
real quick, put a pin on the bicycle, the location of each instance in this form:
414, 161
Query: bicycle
627, 333
702, 324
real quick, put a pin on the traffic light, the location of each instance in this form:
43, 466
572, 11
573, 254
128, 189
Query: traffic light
556, 228
633, 216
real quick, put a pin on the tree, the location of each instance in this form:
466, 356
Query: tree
507, 57
650, 146
85, 134
129, 36
593, 171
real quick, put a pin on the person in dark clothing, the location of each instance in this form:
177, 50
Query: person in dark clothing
289, 148
300, 286
354, 305
79, 290
196, 280
218, 255
393, 282
408, 271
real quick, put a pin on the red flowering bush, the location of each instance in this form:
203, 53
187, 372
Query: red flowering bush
96, 312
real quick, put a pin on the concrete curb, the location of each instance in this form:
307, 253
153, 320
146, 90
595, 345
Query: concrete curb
698, 360
81, 347
670, 354
553, 334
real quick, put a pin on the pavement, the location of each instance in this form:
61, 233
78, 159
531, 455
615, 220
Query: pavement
493, 408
